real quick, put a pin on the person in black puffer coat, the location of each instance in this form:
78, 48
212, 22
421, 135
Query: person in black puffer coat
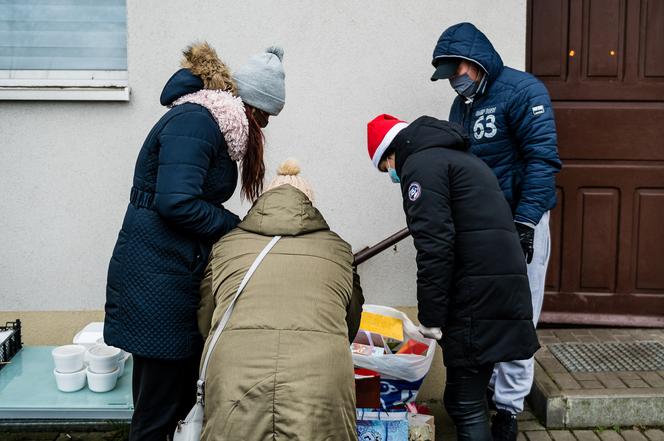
185, 171
472, 287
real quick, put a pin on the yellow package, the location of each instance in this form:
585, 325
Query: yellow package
381, 324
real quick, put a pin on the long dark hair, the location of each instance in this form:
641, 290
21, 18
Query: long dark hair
253, 168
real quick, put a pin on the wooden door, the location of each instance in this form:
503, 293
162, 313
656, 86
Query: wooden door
603, 63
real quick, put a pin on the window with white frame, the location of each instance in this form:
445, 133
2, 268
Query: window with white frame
63, 50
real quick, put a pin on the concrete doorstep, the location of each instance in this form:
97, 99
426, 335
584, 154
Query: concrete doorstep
564, 399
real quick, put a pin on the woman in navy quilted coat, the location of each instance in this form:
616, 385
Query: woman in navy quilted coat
185, 171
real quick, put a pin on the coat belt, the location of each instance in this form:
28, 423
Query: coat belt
141, 199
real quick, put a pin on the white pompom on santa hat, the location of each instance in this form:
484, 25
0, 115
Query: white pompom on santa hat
381, 131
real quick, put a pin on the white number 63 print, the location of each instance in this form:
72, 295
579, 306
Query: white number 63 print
485, 127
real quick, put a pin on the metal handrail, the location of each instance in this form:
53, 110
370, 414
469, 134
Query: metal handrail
367, 253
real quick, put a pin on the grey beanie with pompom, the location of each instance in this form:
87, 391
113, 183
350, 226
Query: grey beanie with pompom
260, 82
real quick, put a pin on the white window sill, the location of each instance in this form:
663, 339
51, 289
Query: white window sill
45, 85
64, 93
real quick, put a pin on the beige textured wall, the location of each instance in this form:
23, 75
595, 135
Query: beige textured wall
50, 328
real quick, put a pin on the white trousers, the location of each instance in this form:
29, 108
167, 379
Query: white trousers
512, 380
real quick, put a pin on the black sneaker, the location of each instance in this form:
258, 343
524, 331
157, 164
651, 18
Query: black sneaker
504, 426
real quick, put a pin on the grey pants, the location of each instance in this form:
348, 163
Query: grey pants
512, 380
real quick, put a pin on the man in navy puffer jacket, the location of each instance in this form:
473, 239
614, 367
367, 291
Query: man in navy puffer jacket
508, 116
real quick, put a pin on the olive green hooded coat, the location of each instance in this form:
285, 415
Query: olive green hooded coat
282, 368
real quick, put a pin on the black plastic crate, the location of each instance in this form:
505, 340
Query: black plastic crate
10, 346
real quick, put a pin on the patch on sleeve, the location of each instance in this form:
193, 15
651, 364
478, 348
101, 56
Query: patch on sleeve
414, 191
538, 110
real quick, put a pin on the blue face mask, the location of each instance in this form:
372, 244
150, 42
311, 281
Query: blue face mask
464, 85
393, 173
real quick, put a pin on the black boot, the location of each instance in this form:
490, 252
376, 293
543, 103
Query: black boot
504, 426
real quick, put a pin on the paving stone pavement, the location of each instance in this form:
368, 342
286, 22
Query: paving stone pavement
530, 429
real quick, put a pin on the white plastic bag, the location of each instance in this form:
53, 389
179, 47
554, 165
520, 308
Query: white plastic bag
407, 367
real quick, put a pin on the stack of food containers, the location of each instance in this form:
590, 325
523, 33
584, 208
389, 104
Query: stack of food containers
70, 372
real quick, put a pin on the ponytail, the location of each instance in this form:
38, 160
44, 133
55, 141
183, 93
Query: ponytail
253, 168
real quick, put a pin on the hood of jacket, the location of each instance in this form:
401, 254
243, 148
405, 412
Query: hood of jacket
427, 132
464, 40
283, 211
201, 69
182, 83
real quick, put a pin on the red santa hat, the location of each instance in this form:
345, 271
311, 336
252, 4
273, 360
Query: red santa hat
380, 133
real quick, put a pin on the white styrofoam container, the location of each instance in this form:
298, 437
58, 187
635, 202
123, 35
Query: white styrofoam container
68, 358
102, 382
89, 335
70, 381
103, 359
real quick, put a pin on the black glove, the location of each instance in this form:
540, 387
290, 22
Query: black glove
526, 237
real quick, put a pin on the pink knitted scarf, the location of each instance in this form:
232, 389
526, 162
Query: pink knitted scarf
228, 112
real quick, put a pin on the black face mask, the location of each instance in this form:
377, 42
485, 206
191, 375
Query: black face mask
464, 85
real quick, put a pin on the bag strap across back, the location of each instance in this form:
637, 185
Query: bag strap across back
227, 315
